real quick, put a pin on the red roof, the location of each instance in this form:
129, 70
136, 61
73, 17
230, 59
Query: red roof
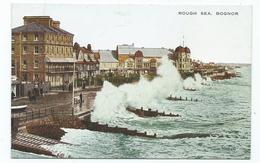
181, 49
187, 50
139, 53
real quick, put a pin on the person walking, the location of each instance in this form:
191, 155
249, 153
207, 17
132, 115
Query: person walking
41, 91
80, 97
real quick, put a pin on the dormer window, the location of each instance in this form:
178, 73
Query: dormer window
36, 37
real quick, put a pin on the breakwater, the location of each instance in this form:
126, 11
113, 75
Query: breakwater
96, 126
149, 113
182, 99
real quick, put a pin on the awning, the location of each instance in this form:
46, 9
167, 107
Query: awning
60, 60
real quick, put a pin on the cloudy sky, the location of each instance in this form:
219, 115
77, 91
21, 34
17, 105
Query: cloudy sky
210, 37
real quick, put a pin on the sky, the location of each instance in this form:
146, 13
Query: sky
211, 38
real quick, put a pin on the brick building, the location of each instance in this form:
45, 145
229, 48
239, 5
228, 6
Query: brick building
140, 59
87, 63
42, 51
182, 58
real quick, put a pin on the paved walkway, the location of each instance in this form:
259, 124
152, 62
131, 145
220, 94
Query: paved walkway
33, 143
55, 104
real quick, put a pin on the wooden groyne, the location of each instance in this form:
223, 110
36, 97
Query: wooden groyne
189, 89
149, 113
96, 126
182, 99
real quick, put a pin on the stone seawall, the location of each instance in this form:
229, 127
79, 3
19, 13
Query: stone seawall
51, 126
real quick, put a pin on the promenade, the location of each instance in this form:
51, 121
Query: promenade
58, 102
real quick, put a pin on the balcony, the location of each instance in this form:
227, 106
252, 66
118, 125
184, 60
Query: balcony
60, 70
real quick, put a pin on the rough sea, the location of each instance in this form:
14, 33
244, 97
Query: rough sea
223, 112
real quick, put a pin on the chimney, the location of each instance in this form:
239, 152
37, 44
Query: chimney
44, 20
56, 24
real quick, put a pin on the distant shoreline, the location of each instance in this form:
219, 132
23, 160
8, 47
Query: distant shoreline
234, 64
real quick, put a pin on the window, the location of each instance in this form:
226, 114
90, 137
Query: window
25, 77
25, 49
13, 38
24, 37
12, 50
13, 65
36, 49
36, 64
36, 76
24, 64
36, 37
129, 64
153, 63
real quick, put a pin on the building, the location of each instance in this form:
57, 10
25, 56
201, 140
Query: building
107, 61
87, 63
182, 58
42, 51
140, 59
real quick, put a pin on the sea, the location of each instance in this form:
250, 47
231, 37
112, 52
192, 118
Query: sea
222, 113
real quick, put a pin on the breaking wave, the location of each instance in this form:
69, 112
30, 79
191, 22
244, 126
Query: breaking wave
196, 82
111, 101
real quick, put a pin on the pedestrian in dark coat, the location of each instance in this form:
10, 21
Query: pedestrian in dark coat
41, 91
80, 97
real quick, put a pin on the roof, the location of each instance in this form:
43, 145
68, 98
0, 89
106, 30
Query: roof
107, 56
138, 53
60, 60
147, 52
36, 27
182, 49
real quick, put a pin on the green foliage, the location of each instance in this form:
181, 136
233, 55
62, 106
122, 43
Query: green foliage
119, 79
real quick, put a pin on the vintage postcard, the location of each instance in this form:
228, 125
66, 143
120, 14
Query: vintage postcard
131, 81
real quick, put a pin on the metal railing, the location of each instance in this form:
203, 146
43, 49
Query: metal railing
36, 114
